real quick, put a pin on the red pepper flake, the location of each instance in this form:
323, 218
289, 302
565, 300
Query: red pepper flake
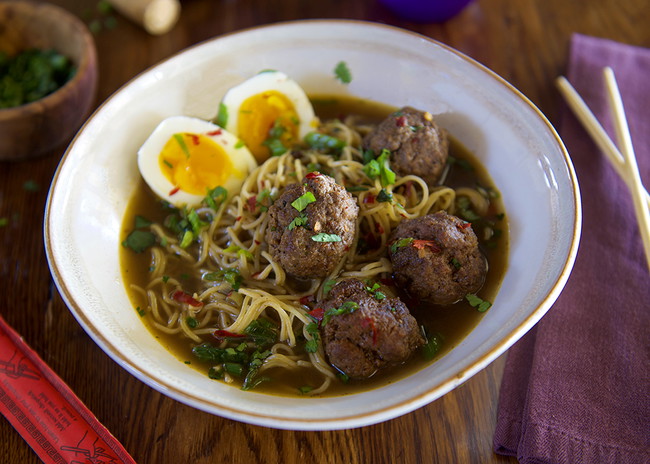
195, 138
173, 191
305, 300
238, 218
214, 132
256, 275
369, 322
421, 244
370, 198
312, 175
186, 298
378, 228
251, 203
464, 225
221, 334
317, 313
400, 121
257, 242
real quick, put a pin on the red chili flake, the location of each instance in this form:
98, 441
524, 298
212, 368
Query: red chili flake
252, 202
195, 138
312, 175
173, 191
370, 198
421, 244
346, 248
403, 215
186, 298
221, 334
305, 300
257, 242
256, 275
238, 218
214, 132
369, 322
464, 225
317, 313
400, 121
378, 228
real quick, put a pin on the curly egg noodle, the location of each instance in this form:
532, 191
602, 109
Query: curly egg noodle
235, 239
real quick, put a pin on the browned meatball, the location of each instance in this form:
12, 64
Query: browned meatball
417, 144
436, 258
296, 228
378, 333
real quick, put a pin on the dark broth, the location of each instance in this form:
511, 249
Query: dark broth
450, 323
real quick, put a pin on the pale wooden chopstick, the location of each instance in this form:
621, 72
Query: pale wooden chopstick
625, 143
593, 127
624, 163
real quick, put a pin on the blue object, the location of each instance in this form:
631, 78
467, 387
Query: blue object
426, 11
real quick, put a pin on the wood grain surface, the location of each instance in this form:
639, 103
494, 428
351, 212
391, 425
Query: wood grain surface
525, 41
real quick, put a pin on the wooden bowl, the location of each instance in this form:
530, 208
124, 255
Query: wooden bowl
36, 128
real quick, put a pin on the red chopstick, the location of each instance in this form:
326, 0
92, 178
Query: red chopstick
46, 412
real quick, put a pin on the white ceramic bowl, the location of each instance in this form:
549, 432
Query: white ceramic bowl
519, 147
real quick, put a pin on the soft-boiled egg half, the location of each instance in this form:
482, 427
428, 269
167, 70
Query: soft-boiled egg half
269, 112
185, 157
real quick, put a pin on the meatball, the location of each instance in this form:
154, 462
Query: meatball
436, 258
377, 333
417, 144
311, 226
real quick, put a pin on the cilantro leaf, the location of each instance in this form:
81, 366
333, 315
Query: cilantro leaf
298, 221
342, 72
303, 200
323, 237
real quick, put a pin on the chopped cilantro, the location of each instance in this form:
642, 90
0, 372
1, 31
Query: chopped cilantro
139, 240
140, 311
345, 308
320, 141
298, 221
323, 237
455, 263
402, 242
432, 345
342, 72
191, 322
230, 275
303, 200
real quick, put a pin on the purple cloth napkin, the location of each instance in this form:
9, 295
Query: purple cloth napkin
576, 388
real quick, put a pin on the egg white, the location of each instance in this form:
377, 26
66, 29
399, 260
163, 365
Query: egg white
230, 108
149, 163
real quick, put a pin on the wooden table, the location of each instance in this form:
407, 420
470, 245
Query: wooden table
525, 41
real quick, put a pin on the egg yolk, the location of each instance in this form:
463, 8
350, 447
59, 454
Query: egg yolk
268, 124
194, 163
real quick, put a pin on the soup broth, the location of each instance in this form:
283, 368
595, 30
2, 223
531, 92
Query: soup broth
449, 324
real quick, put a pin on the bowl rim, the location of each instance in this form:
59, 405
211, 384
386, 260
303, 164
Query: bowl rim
343, 421
87, 61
